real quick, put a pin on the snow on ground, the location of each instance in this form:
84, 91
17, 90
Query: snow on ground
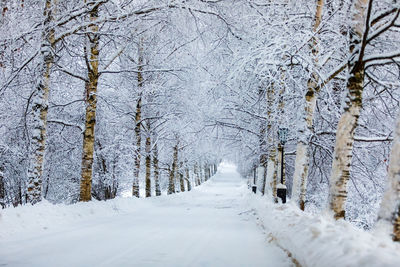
210, 226
220, 223
318, 240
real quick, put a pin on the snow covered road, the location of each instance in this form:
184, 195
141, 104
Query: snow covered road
209, 226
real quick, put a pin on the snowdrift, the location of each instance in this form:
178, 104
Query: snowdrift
318, 240
25, 220
311, 239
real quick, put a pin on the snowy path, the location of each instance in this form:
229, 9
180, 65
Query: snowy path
209, 226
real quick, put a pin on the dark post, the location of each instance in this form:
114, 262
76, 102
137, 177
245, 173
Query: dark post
281, 188
282, 163
254, 187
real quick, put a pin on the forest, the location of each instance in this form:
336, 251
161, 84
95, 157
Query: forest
116, 98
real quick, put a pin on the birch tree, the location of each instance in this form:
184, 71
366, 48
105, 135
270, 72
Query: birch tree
263, 144
2, 189
390, 206
92, 65
138, 118
40, 102
172, 170
348, 121
156, 170
271, 168
181, 177
360, 37
299, 188
187, 178
148, 160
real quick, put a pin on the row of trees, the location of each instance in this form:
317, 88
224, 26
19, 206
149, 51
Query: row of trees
102, 83
121, 87
335, 86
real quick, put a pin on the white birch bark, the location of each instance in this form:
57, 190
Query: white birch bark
172, 171
348, 121
40, 102
270, 175
148, 162
156, 170
270, 188
92, 58
138, 117
299, 188
2, 189
390, 205
196, 175
188, 183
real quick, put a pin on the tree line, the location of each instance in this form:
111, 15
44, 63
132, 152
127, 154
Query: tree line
331, 76
96, 81
94, 93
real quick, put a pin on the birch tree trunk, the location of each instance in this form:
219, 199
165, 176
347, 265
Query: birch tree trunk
203, 174
271, 186
92, 62
138, 117
156, 170
263, 147
40, 102
349, 119
274, 170
201, 177
189, 185
196, 175
299, 189
148, 164
181, 178
171, 183
390, 205
2, 189
206, 172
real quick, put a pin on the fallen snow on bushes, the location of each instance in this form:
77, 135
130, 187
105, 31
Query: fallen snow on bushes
318, 240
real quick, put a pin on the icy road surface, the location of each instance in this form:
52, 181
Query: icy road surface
209, 226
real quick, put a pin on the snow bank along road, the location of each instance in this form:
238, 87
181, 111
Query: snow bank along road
209, 226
